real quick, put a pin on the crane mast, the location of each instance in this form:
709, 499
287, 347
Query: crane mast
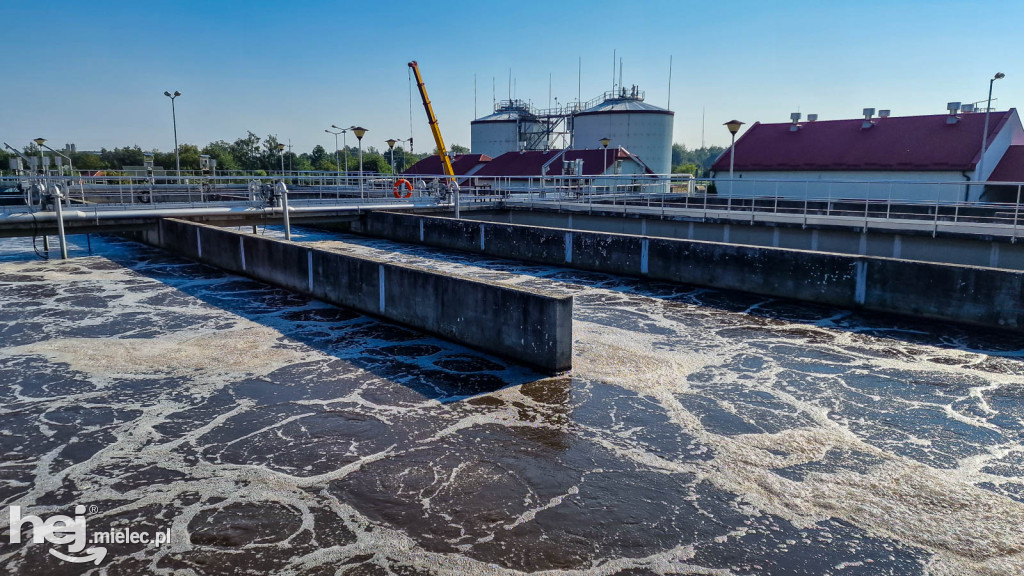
446, 162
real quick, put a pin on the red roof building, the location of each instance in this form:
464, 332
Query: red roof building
897, 155
1010, 167
463, 165
536, 163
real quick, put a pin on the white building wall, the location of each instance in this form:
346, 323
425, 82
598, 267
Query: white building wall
918, 186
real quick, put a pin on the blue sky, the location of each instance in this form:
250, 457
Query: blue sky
94, 73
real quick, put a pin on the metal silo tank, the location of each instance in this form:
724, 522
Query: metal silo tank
639, 127
494, 135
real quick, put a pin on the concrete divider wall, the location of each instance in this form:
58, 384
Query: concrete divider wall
532, 327
981, 296
810, 276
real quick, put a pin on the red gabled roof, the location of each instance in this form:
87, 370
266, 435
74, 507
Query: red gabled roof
895, 143
1011, 167
462, 164
531, 162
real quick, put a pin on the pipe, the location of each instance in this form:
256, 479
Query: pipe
56, 199
282, 190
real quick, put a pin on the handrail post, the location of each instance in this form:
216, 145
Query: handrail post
806, 192
888, 203
1016, 212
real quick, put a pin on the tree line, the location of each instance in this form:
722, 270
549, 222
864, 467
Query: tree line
254, 153
249, 153
697, 161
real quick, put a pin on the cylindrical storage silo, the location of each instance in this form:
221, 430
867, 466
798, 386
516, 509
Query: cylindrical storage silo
642, 129
495, 134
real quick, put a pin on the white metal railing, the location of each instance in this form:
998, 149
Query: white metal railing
935, 203
854, 203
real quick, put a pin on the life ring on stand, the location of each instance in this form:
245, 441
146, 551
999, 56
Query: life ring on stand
398, 188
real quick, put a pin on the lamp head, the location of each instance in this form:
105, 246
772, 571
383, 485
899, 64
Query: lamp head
166, 93
391, 143
280, 147
999, 75
734, 126
176, 93
359, 131
40, 141
605, 142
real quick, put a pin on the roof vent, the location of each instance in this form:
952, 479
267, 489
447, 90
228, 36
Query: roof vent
884, 113
867, 123
967, 108
812, 117
795, 117
953, 108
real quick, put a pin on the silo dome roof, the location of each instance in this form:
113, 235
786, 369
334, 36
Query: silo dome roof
509, 111
624, 105
502, 116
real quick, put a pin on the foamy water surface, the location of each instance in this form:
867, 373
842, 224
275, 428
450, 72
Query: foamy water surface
700, 432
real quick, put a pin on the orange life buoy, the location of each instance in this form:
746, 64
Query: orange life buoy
398, 188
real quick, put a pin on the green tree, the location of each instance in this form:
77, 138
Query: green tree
221, 152
301, 163
318, 158
454, 150
87, 161
189, 154
703, 158
118, 158
690, 168
246, 152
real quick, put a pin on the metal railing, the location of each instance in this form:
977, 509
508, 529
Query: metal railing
932, 205
917, 205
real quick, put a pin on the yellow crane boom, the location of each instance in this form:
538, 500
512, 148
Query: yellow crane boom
446, 162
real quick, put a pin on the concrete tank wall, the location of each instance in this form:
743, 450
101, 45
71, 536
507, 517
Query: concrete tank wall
981, 296
532, 327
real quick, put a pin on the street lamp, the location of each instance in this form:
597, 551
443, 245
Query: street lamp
39, 142
280, 152
734, 127
337, 161
71, 166
604, 143
56, 204
984, 136
391, 145
174, 119
359, 131
344, 143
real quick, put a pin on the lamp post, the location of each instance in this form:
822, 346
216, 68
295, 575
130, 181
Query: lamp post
56, 203
734, 127
39, 142
280, 152
174, 119
337, 161
359, 131
391, 146
344, 143
604, 143
71, 166
411, 151
984, 136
